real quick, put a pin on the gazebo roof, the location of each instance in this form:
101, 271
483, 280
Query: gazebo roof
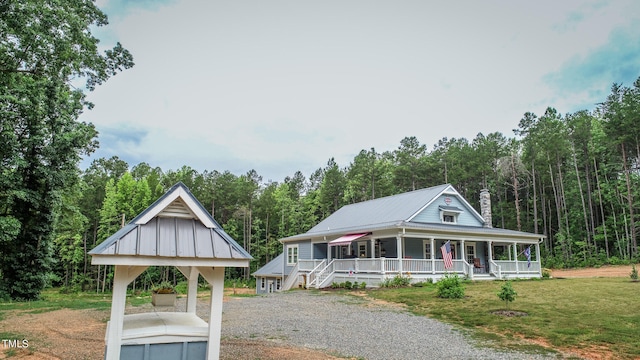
174, 230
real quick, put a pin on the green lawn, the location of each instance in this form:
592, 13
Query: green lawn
592, 313
52, 300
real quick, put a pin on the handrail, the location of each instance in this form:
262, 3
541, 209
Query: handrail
291, 278
313, 277
492, 266
319, 279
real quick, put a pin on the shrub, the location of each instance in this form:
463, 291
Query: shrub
450, 287
348, 285
363, 285
507, 293
634, 273
546, 273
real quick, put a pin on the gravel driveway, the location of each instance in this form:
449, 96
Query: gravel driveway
348, 326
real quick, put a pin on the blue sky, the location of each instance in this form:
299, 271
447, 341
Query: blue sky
282, 86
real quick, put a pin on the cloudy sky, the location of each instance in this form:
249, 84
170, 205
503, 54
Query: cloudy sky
280, 86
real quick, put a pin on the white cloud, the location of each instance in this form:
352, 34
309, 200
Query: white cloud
267, 85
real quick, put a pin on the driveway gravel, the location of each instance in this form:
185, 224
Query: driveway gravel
349, 326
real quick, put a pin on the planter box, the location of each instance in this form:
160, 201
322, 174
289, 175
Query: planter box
163, 299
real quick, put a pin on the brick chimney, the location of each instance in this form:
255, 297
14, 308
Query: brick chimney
485, 207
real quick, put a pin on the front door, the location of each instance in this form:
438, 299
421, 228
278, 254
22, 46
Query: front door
470, 251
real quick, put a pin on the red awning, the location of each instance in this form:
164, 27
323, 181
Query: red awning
345, 240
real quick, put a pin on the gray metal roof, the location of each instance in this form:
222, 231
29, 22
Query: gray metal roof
394, 208
180, 227
395, 213
272, 268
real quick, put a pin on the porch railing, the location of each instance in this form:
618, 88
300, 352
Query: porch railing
320, 271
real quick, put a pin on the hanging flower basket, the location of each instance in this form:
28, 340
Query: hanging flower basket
163, 295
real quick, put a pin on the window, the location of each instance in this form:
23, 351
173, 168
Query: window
263, 283
449, 214
292, 255
278, 284
427, 248
362, 249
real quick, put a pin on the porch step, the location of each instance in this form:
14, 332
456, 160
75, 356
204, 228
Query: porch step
483, 277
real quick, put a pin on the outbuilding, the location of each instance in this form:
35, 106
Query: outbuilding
176, 230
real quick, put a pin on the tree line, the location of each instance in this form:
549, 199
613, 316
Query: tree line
571, 177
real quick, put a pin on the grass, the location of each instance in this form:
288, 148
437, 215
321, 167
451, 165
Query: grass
52, 299
596, 313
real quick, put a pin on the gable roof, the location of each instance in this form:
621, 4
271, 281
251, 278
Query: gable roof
174, 226
398, 211
389, 209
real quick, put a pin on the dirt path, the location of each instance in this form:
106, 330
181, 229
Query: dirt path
604, 271
79, 334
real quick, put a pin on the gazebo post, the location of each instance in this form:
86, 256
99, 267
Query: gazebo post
191, 273
123, 275
215, 277
192, 290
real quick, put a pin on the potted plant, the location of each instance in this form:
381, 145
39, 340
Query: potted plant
163, 294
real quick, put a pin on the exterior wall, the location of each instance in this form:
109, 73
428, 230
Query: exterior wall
389, 246
413, 248
320, 250
432, 213
267, 279
304, 252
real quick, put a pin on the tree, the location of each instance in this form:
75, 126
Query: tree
507, 293
43, 46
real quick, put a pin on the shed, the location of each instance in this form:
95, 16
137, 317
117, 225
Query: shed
176, 230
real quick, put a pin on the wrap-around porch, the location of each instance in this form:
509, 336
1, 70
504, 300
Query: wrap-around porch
420, 259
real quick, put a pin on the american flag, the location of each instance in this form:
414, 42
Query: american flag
527, 253
446, 255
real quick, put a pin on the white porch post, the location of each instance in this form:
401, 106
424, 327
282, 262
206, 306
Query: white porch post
462, 249
373, 248
538, 258
123, 275
399, 252
433, 256
490, 252
515, 256
215, 277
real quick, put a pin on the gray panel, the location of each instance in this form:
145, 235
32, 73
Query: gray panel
203, 236
133, 352
197, 350
221, 247
127, 245
111, 249
185, 241
172, 351
148, 241
167, 241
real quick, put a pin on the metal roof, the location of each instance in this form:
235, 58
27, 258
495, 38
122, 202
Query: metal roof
396, 213
272, 268
174, 226
387, 209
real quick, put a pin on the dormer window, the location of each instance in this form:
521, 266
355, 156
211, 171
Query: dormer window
449, 214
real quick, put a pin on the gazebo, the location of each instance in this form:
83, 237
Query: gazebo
177, 231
